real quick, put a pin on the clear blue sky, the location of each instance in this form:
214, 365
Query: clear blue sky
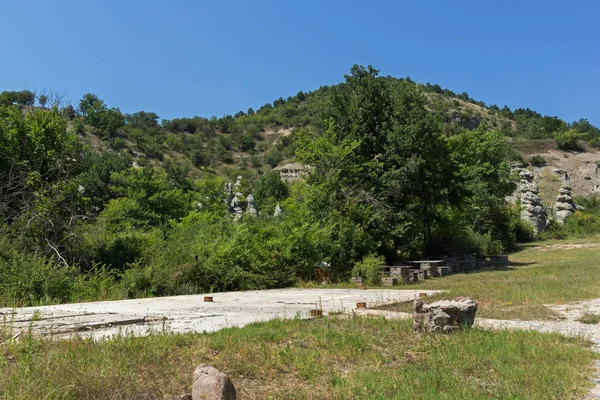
185, 58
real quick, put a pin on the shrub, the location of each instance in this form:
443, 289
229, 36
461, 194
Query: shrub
370, 269
537, 160
28, 280
567, 140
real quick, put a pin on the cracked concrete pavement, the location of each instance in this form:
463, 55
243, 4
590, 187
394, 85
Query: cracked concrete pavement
190, 313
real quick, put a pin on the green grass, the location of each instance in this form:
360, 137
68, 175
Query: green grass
338, 358
536, 276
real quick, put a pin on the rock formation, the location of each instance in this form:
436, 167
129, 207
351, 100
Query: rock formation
211, 384
251, 207
564, 206
444, 316
237, 205
278, 210
532, 209
292, 172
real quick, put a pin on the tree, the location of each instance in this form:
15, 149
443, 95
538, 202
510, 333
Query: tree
381, 162
270, 190
43, 100
106, 121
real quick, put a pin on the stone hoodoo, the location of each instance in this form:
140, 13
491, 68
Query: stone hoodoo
278, 210
564, 206
237, 205
251, 207
532, 209
445, 316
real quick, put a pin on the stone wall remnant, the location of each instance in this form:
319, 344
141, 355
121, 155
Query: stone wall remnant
445, 316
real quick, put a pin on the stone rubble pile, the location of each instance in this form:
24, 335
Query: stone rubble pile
532, 208
445, 316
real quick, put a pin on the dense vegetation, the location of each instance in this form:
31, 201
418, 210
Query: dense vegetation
97, 204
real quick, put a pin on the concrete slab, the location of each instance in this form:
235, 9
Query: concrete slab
190, 313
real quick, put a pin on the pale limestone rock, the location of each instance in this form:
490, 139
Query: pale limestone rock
211, 384
445, 315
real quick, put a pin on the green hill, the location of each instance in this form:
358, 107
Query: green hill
253, 141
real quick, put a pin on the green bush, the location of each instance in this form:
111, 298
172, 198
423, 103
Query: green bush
27, 280
567, 140
370, 269
537, 160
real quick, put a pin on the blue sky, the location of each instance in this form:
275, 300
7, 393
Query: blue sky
185, 58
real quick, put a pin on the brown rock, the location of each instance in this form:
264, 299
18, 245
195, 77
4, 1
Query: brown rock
211, 384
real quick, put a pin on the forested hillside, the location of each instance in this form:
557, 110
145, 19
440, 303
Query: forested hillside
100, 204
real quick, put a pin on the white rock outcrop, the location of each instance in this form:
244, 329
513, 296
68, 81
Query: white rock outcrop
532, 208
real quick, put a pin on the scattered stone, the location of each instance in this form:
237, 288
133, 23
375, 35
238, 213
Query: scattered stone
211, 384
445, 316
532, 209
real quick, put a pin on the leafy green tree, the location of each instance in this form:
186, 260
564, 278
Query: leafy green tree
97, 114
273, 157
269, 190
481, 155
146, 197
36, 149
382, 161
43, 99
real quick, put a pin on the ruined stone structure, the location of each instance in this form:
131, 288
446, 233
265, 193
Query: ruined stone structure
532, 209
445, 316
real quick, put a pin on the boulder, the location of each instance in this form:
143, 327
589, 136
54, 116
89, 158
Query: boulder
445, 316
211, 384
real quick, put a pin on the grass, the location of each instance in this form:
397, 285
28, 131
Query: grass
541, 273
338, 358
590, 318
